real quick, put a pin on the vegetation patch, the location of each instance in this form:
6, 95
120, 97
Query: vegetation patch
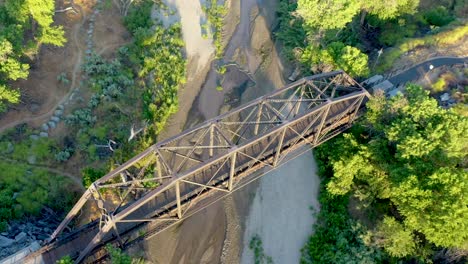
24, 27
406, 162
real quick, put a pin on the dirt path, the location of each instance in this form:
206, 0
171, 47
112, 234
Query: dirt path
76, 69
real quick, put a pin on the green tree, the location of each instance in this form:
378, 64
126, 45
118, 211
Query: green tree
7, 96
336, 55
411, 154
394, 238
389, 9
11, 68
324, 14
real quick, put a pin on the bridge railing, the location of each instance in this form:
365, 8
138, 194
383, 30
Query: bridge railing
163, 182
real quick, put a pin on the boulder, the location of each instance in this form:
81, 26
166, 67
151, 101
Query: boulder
43, 134
60, 107
58, 113
44, 127
55, 119
34, 137
10, 148
51, 124
445, 97
5, 242
20, 237
31, 160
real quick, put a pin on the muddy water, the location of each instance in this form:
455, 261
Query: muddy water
221, 232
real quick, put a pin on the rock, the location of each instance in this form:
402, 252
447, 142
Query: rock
20, 237
444, 97
58, 113
31, 160
47, 230
4, 233
41, 223
55, 119
44, 127
34, 108
51, 124
15, 195
88, 51
60, 107
10, 148
34, 137
5, 242
90, 31
43, 134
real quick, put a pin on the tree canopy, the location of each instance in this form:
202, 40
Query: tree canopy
326, 14
411, 153
16, 18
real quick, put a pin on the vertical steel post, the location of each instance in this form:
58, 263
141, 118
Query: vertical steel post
211, 140
259, 116
317, 135
278, 148
158, 167
298, 104
232, 170
358, 105
179, 207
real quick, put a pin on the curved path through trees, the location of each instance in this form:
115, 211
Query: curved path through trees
76, 69
418, 71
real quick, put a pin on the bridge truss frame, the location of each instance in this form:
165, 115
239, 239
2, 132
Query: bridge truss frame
217, 153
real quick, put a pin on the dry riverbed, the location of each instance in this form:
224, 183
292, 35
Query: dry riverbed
276, 207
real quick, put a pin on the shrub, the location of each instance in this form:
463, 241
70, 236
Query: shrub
90, 175
438, 16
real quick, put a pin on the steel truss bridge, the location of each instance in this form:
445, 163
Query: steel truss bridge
170, 180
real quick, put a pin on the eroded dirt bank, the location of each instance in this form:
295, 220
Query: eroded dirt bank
221, 232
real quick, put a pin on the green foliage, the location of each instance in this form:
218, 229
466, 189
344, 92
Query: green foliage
338, 56
259, 255
291, 31
15, 30
119, 257
215, 14
25, 190
438, 16
327, 14
7, 96
411, 154
65, 260
139, 16
337, 237
157, 55
90, 175
439, 86
390, 9
394, 238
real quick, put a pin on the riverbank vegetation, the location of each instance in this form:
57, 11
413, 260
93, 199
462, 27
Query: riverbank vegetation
134, 90
24, 27
322, 36
394, 188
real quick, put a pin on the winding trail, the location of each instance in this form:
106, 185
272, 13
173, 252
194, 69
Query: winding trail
76, 70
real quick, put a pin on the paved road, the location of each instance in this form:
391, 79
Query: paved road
418, 71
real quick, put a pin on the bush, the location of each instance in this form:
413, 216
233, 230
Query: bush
90, 175
438, 16
439, 85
